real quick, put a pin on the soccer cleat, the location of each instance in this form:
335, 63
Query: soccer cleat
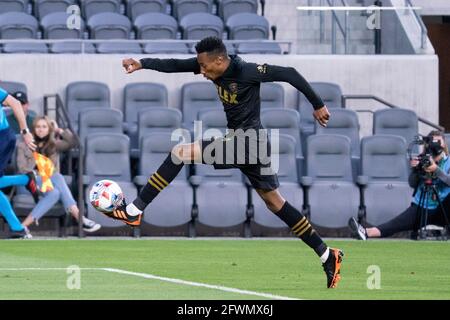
332, 267
22, 234
120, 213
358, 230
32, 186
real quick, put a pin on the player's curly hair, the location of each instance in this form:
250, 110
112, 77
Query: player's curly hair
211, 45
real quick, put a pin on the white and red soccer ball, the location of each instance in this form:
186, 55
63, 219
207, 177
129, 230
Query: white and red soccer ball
105, 195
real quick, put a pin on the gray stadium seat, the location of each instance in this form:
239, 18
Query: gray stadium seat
272, 95
90, 8
167, 47
401, 122
287, 121
227, 8
221, 197
109, 25
11, 86
289, 186
182, 8
385, 170
447, 135
100, 150
331, 95
333, 196
99, 120
44, 7
158, 119
214, 122
345, 122
154, 25
173, 205
13, 6
197, 26
247, 26
138, 96
136, 8
81, 95
253, 47
19, 25
196, 96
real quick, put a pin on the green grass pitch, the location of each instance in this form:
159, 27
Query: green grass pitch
287, 268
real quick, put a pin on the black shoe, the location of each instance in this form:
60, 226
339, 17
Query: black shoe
32, 186
332, 267
359, 232
22, 234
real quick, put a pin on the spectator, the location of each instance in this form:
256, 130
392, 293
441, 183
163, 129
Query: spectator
50, 141
30, 115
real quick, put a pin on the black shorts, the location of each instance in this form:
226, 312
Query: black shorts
249, 154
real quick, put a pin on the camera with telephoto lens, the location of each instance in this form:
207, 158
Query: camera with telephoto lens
425, 148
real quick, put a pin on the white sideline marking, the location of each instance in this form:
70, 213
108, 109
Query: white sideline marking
172, 280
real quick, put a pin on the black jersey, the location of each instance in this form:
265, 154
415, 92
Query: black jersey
238, 88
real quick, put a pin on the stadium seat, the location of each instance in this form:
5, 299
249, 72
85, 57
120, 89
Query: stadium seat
107, 157
332, 195
196, 96
253, 47
138, 96
11, 86
182, 8
247, 26
289, 186
384, 180
331, 95
196, 26
54, 26
153, 26
214, 122
227, 8
19, 25
135, 8
110, 26
81, 95
400, 122
173, 206
14, 6
447, 135
157, 119
99, 120
345, 122
287, 121
90, 8
221, 197
272, 95
44, 7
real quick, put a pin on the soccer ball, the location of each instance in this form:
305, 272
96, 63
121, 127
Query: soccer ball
105, 195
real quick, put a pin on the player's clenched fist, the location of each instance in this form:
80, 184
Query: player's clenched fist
131, 65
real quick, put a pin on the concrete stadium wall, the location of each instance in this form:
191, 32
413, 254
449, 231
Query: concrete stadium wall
407, 81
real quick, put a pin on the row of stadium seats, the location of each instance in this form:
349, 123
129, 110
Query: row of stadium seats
221, 195
133, 8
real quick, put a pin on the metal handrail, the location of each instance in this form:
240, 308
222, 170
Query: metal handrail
390, 105
138, 41
335, 21
423, 28
62, 114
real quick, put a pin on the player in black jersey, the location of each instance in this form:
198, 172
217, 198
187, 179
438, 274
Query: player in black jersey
238, 85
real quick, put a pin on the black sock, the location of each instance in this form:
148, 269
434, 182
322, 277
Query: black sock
158, 181
301, 227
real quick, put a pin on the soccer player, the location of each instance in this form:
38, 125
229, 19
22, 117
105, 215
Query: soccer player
7, 145
238, 85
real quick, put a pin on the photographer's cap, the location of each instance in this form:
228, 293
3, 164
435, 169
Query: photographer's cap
21, 96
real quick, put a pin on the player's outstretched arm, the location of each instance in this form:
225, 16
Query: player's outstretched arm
162, 65
270, 73
16, 107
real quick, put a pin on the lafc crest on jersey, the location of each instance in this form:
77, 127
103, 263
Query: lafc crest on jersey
227, 96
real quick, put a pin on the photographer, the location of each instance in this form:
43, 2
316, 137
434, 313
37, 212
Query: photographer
433, 167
